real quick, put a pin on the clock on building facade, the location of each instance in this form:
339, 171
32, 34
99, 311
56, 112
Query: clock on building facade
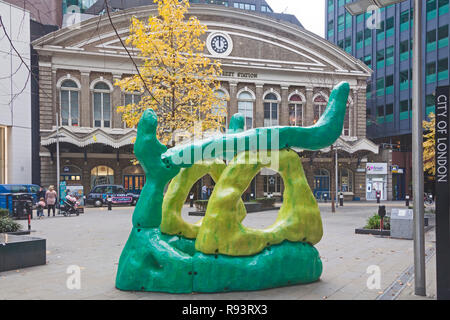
219, 44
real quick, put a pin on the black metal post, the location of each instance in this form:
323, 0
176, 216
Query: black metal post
442, 193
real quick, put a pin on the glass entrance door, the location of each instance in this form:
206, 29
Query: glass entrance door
133, 183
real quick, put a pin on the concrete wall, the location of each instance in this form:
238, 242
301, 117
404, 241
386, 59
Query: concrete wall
15, 97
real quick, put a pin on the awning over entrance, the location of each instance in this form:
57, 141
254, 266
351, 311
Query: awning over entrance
352, 147
84, 139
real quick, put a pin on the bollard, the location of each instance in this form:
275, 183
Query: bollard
407, 200
325, 197
191, 202
29, 222
341, 200
382, 214
378, 196
109, 204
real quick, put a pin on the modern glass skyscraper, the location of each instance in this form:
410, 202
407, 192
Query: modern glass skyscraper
388, 51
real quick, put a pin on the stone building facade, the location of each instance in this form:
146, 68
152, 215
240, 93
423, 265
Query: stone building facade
275, 73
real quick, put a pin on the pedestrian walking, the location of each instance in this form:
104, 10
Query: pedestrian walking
204, 192
50, 199
40, 208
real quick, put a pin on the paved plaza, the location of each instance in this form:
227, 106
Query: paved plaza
94, 240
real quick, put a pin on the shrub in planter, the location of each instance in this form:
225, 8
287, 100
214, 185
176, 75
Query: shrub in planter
4, 212
201, 205
374, 223
8, 225
266, 202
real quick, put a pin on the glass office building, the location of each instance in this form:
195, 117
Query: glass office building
388, 51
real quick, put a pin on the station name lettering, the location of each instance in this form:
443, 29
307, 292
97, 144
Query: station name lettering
240, 74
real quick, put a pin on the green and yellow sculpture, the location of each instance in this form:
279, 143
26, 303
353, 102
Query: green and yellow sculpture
164, 253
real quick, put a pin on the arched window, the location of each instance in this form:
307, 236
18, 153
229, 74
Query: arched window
270, 110
296, 110
320, 104
220, 109
345, 180
102, 175
102, 105
69, 102
346, 131
245, 107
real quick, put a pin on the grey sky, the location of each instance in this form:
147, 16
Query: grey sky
311, 13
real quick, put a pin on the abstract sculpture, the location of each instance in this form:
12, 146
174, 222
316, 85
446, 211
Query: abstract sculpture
164, 253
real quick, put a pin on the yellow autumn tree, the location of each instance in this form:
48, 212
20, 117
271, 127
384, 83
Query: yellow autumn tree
429, 164
177, 81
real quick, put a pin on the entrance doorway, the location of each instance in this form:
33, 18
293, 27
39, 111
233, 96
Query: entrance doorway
321, 183
133, 183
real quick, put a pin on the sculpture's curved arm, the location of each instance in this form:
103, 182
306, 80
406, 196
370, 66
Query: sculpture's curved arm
323, 134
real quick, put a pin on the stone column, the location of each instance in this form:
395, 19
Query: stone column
85, 101
55, 97
309, 108
354, 114
284, 107
258, 110
233, 103
116, 100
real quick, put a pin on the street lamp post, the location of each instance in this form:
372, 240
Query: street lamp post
361, 7
58, 173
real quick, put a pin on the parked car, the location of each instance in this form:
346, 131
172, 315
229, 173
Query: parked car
100, 194
32, 189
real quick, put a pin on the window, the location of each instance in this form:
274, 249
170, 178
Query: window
430, 72
348, 44
380, 86
443, 69
389, 55
390, 27
404, 80
359, 40
431, 9
404, 109
431, 40
389, 116
380, 59
320, 104
380, 114
220, 109
270, 110
245, 107
345, 180
346, 129
404, 20
404, 50
443, 6
272, 184
443, 36
69, 100
368, 60
296, 111
429, 104
389, 84
102, 105
102, 175
341, 23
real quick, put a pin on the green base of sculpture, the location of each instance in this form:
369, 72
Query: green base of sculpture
161, 263
164, 253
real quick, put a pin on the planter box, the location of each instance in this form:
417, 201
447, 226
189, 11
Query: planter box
17, 252
374, 232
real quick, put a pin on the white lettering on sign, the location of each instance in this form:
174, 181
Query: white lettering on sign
442, 142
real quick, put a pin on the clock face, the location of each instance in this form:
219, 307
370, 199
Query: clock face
219, 44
